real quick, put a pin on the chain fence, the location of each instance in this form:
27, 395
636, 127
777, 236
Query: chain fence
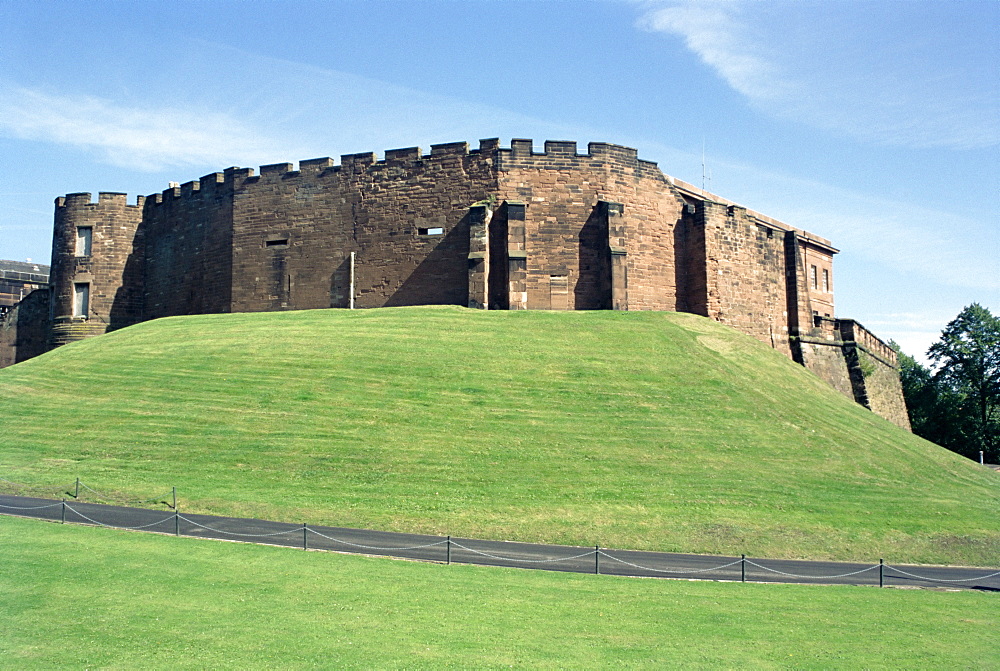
483, 552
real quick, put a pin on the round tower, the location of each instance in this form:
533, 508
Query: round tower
96, 275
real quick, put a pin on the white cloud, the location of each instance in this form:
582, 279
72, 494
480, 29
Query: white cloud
303, 112
842, 68
143, 138
712, 31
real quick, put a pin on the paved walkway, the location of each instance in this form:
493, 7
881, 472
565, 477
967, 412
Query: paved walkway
502, 553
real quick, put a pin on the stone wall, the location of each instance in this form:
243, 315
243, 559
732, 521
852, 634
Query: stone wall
821, 350
746, 274
406, 219
856, 363
24, 329
188, 247
569, 241
874, 372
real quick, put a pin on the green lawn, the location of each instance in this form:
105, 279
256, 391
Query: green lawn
81, 597
625, 429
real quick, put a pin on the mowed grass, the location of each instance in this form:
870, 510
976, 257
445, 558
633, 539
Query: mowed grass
625, 429
81, 597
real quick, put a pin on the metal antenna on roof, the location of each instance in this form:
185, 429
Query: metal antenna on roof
705, 174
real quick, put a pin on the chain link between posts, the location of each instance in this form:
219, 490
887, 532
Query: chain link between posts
513, 560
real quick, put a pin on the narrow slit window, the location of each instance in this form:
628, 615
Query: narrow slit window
81, 299
276, 243
826, 281
431, 231
84, 238
815, 279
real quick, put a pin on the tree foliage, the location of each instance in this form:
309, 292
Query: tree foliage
958, 404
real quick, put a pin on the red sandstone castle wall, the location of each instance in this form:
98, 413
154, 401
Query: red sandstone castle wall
566, 238
294, 231
188, 233
745, 270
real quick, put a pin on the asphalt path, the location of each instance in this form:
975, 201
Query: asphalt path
502, 553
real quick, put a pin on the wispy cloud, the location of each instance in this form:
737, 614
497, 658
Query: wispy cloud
901, 235
911, 83
714, 32
143, 138
288, 111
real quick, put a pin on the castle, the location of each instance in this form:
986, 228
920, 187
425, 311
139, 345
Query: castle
489, 228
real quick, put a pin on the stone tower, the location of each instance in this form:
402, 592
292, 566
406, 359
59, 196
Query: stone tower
96, 277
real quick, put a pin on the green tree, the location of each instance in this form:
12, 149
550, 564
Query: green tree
968, 376
934, 409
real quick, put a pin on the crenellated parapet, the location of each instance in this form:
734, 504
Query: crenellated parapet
557, 154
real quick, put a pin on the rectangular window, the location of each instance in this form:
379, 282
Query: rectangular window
279, 243
84, 236
813, 276
430, 231
826, 281
81, 299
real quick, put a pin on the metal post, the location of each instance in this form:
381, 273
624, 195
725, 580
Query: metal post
177, 523
63, 516
305, 537
981, 456
881, 573
77, 495
448, 556
597, 559
743, 568
175, 498
351, 289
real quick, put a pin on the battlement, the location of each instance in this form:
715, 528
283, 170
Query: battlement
562, 154
524, 148
110, 200
555, 154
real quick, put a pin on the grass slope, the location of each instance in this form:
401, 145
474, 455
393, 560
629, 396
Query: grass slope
628, 429
79, 597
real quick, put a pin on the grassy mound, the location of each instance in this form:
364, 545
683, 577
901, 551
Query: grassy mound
643, 430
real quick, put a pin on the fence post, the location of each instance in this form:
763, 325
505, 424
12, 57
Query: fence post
177, 523
77, 495
743, 568
175, 498
597, 559
881, 569
62, 518
305, 537
448, 556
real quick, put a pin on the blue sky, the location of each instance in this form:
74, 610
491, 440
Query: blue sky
873, 124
